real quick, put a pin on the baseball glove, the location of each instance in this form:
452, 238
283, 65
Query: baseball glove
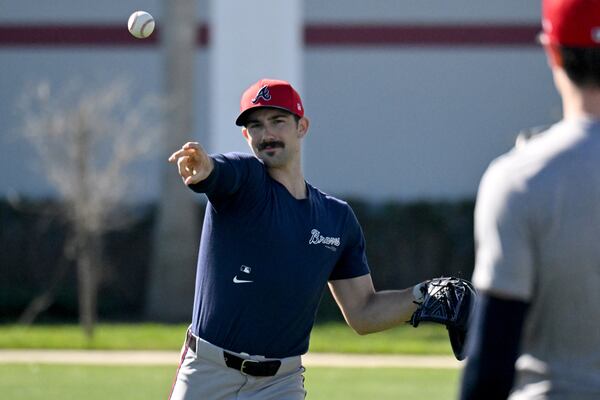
448, 301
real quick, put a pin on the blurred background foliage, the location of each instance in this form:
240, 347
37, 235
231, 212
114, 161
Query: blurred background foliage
406, 243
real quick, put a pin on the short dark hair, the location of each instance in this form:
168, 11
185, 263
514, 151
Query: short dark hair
582, 65
296, 117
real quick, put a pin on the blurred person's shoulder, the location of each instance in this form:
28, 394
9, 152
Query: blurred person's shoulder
531, 152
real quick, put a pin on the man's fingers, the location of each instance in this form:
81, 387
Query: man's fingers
182, 153
193, 163
188, 149
186, 167
192, 145
195, 178
181, 167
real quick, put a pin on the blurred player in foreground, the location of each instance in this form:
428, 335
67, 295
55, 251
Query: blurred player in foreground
270, 244
537, 226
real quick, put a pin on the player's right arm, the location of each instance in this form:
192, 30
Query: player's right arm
193, 164
222, 176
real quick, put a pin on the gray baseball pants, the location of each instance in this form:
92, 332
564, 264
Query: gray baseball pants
204, 375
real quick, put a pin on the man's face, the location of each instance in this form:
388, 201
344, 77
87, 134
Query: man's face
274, 136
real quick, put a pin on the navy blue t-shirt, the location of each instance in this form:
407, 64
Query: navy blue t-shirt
265, 258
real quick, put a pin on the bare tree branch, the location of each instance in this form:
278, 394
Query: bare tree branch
85, 141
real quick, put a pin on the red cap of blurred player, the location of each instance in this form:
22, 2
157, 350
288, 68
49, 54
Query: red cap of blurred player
270, 93
571, 23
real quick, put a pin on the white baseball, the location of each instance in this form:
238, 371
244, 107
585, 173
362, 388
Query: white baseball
140, 24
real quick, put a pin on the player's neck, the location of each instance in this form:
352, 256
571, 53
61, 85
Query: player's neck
582, 107
578, 102
292, 178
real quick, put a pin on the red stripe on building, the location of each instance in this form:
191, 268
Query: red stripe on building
80, 35
490, 35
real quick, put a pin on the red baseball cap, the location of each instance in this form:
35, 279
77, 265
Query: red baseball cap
572, 23
270, 93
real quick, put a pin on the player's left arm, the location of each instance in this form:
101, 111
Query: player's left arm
367, 310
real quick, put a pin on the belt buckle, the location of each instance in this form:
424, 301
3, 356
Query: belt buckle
245, 363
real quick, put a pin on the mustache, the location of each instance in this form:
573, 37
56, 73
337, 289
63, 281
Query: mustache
271, 143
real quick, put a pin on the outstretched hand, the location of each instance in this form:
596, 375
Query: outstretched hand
193, 163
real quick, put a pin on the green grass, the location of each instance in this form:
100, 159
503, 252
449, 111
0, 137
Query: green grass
339, 338
381, 383
53, 382
332, 337
106, 337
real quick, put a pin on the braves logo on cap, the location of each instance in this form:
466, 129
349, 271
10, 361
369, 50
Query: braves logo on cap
262, 93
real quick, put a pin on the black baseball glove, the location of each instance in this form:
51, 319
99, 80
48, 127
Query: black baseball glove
448, 301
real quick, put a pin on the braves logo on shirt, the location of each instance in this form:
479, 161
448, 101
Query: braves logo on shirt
329, 242
263, 93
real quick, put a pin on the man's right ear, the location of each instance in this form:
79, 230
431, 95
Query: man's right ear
245, 132
303, 124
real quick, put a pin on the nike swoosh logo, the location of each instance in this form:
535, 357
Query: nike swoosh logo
236, 280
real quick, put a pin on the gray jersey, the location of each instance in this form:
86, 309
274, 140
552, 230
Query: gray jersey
537, 230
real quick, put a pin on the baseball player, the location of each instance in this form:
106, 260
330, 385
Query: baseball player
537, 226
270, 244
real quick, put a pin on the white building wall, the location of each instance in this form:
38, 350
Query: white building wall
419, 123
258, 39
387, 122
440, 11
